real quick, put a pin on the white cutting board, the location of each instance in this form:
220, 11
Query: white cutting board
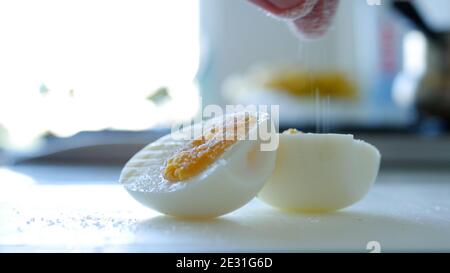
51, 208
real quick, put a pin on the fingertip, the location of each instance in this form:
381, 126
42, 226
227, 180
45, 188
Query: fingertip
286, 9
317, 22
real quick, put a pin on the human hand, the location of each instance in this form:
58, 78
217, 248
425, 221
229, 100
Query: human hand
311, 18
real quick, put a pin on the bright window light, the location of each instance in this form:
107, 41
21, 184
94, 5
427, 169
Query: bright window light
68, 66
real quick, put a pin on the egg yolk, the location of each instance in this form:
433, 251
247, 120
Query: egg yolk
201, 152
291, 131
332, 84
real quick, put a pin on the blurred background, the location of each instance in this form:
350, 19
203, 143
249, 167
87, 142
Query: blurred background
94, 81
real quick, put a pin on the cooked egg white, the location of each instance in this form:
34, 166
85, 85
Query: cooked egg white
204, 176
320, 172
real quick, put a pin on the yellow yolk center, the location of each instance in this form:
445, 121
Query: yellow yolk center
201, 152
291, 131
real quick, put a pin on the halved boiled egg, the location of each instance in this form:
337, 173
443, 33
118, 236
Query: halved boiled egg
320, 172
202, 173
